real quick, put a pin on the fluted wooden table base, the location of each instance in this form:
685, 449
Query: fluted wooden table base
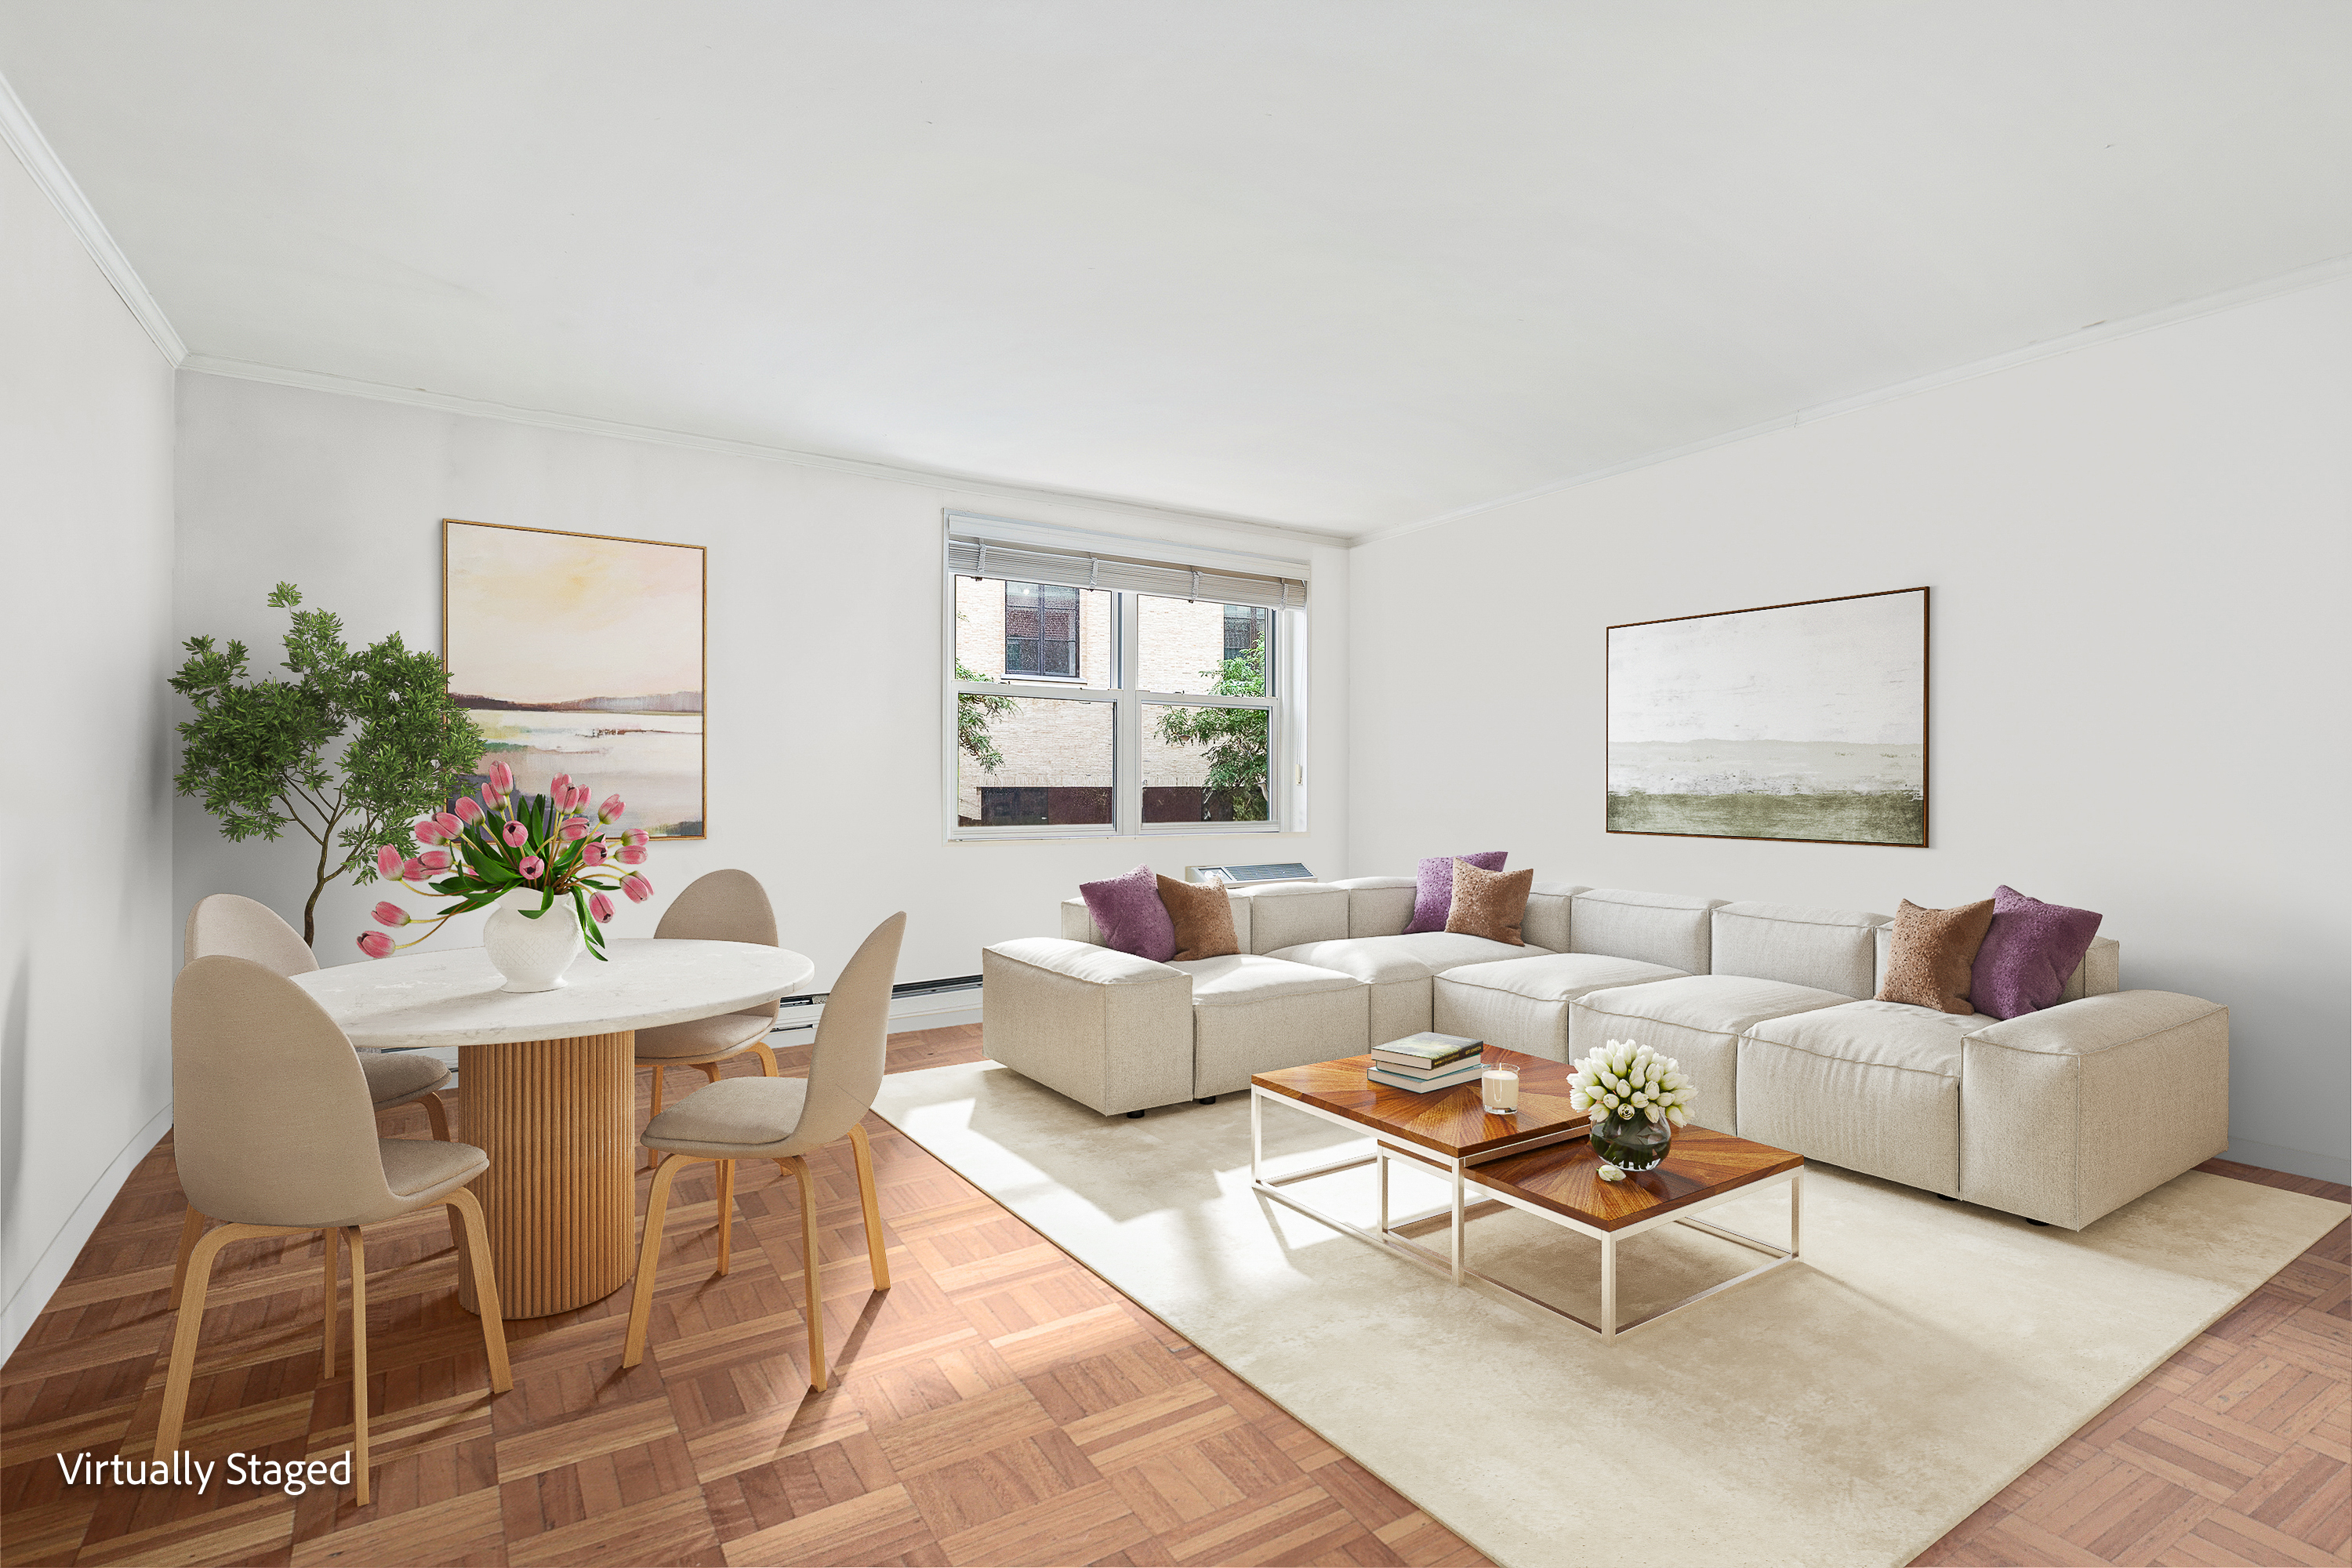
558, 1120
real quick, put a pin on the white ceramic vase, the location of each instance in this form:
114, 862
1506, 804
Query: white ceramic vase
532, 953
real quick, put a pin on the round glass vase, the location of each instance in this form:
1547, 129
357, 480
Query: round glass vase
1633, 1143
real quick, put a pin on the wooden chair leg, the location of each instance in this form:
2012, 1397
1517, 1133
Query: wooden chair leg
812, 1269
710, 1070
641, 1302
183, 1335
767, 1058
359, 1367
473, 1243
333, 1250
653, 1157
190, 1229
438, 1114
876, 1257
726, 1212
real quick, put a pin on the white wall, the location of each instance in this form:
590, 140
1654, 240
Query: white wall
824, 657
86, 926
2139, 554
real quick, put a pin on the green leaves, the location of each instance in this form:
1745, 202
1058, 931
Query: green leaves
973, 710
1236, 740
257, 753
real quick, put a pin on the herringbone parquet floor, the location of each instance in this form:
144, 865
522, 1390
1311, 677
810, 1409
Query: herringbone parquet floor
1000, 1405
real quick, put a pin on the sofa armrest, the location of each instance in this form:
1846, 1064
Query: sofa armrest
2071, 1113
1107, 1028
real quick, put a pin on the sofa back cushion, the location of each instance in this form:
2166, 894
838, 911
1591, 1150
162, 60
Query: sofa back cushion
1078, 923
1670, 929
2099, 974
1287, 913
1828, 950
1548, 910
1377, 906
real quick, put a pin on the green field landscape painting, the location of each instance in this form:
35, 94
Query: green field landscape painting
1802, 721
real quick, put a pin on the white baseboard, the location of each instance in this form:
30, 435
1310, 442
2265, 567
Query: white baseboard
58, 1258
907, 1014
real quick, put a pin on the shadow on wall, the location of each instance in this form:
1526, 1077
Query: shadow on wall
16, 1041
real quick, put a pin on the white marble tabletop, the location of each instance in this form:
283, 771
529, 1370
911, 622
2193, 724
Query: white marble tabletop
453, 997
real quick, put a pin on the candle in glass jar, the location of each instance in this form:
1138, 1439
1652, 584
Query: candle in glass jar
1499, 1087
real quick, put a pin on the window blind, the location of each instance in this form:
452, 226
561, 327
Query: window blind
969, 557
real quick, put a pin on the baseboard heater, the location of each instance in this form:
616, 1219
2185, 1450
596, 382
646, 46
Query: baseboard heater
909, 990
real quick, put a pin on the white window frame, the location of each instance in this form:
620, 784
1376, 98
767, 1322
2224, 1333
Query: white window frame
1286, 749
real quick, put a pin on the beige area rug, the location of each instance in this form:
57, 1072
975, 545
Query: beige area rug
1848, 1408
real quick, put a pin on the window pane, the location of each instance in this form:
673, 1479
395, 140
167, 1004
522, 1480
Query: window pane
1209, 649
1204, 764
1032, 762
1032, 631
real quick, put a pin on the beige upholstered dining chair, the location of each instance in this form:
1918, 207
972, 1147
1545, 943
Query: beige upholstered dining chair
240, 928
722, 906
785, 1119
273, 1134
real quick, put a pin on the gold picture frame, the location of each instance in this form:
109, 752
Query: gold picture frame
537, 622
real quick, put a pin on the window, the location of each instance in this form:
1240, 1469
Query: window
1041, 630
1094, 694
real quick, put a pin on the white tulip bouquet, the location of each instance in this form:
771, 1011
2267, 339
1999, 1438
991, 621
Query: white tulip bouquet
1635, 1097
1624, 1081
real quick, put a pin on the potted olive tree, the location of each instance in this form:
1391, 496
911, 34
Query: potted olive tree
257, 753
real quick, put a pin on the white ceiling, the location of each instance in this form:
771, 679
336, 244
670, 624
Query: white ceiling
1338, 264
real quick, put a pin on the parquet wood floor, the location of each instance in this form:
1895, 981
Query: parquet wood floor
1000, 1405
2237, 1450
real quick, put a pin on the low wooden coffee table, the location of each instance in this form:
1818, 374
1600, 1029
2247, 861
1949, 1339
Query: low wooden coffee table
1702, 1170
1448, 1131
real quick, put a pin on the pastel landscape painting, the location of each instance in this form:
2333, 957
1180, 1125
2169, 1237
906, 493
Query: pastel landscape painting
1804, 721
582, 655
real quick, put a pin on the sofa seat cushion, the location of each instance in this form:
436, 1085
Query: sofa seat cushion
1562, 976
1876, 1033
1718, 1004
1697, 1020
1242, 978
1872, 1086
1522, 1003
1254, 1014
1385, 960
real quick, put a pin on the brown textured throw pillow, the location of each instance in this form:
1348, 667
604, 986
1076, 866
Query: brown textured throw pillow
1203, 915
1491, 904
1927, 963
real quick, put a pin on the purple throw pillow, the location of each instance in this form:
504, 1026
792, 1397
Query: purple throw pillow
1132, 917
1433, 899
2030, 951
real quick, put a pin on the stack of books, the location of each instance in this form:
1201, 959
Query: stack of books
1427, 1061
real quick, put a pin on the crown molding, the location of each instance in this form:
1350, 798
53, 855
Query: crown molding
931, 478
2310, 277
41, 162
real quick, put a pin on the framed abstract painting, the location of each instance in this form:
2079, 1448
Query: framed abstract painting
1805, 721
584, 654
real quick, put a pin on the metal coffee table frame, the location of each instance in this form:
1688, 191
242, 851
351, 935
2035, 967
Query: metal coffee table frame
1491, 1199
1389, 1236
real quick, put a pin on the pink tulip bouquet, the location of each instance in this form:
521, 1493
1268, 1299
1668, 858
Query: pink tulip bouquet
506, 842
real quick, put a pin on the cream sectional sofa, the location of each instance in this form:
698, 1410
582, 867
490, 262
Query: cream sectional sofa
2060, 1116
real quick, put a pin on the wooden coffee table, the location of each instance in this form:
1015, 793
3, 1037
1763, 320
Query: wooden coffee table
1702, 1170
1448, 1131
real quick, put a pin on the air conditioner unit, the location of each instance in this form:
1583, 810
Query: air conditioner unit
1249, 876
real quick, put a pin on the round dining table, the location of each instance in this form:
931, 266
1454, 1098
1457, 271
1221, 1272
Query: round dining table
547, 1086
